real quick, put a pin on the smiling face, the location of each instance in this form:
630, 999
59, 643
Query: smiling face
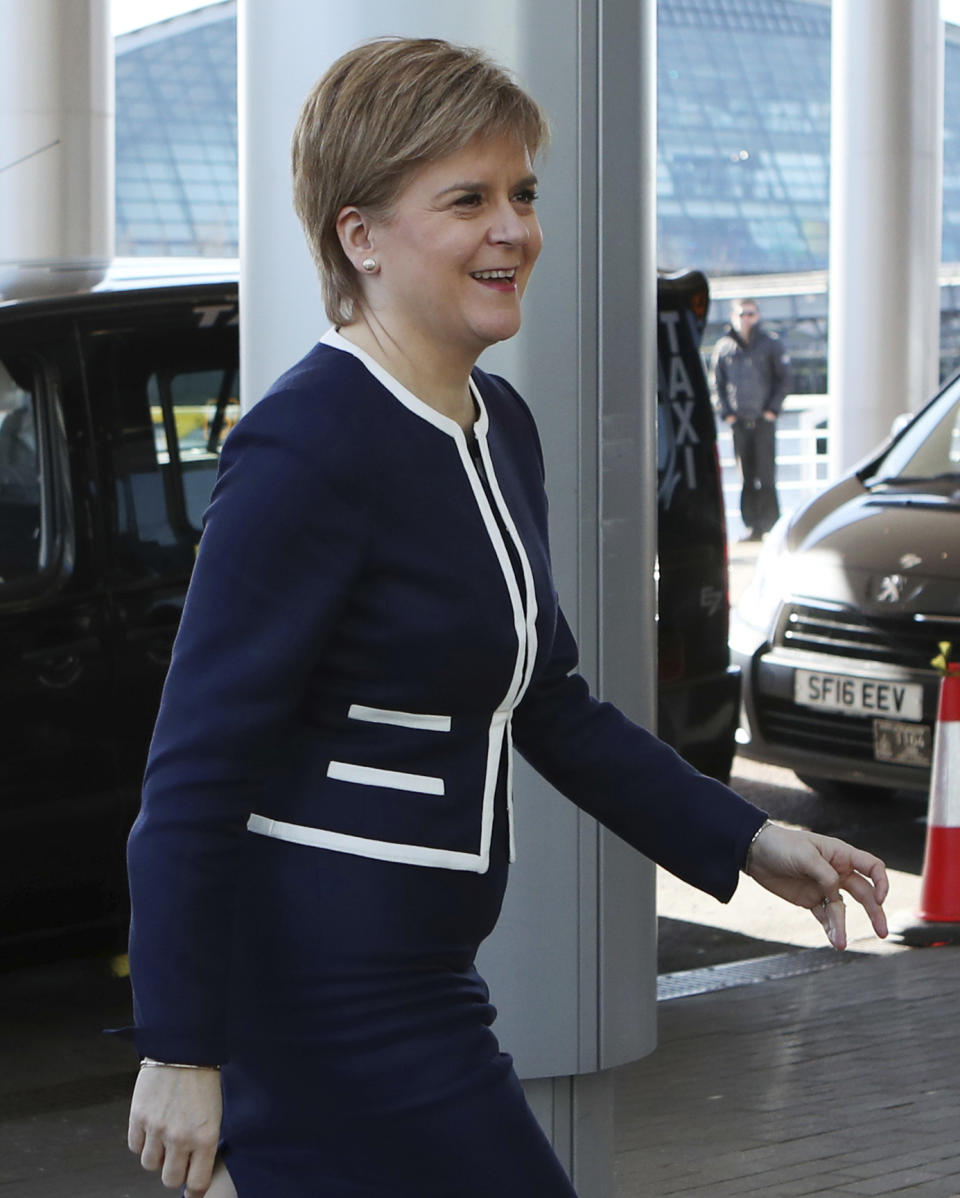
454, 257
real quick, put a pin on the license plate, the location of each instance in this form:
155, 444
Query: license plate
858, 696
904, 744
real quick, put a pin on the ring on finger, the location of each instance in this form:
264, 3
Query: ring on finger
827, 900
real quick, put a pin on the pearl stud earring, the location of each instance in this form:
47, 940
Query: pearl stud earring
369, 265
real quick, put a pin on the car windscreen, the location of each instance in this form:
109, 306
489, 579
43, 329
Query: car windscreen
929, 448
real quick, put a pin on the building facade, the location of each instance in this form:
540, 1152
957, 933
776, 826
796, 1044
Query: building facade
176, 119
743, 163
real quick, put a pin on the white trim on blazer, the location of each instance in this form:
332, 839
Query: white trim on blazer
371, 775
524, 619
361, 846
400, 719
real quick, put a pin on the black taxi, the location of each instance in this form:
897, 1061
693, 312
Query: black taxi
113, 406
698, 694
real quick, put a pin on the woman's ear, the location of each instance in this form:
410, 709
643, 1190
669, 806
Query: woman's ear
355, 233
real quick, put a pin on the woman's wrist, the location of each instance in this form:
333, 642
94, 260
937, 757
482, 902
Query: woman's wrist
753, 841
149, 1062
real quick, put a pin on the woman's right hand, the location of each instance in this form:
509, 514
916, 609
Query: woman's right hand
175, 1125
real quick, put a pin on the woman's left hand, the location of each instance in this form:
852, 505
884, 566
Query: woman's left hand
811, 870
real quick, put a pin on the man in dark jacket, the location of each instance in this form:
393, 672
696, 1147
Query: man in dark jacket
752, 376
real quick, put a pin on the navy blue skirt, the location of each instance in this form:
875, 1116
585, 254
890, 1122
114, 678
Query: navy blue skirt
363, 1064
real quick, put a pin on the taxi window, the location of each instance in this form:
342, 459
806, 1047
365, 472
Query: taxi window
193, 410
175, 397
21, 477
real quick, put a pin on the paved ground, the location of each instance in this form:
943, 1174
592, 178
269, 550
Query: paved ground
840, 1081
742, 558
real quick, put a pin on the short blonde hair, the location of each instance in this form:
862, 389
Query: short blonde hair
382, 110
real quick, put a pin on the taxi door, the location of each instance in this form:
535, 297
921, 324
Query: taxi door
164, 378
57, 766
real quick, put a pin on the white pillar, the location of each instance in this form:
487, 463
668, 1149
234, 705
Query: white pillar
885, 215
56, 144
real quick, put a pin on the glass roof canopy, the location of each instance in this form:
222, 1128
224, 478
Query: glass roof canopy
743, 168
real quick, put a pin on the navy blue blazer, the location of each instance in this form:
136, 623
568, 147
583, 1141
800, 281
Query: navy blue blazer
354, 654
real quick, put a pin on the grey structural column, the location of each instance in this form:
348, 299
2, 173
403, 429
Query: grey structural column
886, 163
56, 145
572, 964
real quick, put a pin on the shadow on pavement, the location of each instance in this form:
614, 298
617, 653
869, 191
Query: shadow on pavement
683, 945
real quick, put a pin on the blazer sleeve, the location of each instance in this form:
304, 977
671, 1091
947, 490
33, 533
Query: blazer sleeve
625, 777
283, 541
630, 781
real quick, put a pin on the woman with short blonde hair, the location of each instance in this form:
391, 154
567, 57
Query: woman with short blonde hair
371, 627
379, 112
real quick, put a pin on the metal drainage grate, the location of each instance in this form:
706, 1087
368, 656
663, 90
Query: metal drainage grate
688, 982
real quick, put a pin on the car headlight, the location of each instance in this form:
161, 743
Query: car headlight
761, 600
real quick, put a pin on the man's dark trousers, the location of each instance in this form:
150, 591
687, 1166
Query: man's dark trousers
753, 443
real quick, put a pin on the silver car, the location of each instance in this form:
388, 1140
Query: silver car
851, 598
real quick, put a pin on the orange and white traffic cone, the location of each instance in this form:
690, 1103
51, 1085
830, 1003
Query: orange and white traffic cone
939, 913
940, 892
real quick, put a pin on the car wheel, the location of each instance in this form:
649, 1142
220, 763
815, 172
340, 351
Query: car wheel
832, 788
